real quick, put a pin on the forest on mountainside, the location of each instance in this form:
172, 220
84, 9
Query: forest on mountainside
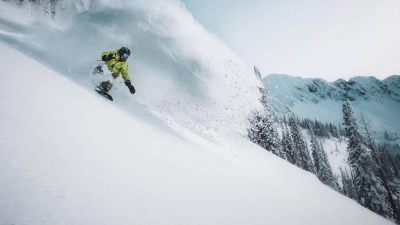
374, 177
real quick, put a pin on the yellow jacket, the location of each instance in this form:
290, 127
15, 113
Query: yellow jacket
115, 66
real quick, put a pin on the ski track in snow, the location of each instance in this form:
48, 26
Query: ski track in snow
69, 156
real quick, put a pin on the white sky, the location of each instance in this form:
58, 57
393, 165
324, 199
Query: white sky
308, 38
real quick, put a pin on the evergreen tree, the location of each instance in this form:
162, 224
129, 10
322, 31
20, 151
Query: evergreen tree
331, 178
264, 101
302, 157
272, 142
317, 157
254, 132
367, 131
270, 137
387, 175
284, 119
262, 129
289, 147
348, 188
284, 147
387, 166
345, 188
322, 166
259, 132
370, 192
257, 72
367, 128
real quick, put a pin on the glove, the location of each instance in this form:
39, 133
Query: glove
114, 75
129, 85
107, 57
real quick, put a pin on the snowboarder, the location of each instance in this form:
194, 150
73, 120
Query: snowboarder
116, 63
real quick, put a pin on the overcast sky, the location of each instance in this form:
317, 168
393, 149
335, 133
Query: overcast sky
329, 39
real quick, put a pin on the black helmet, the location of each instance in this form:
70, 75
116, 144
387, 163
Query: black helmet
124, 50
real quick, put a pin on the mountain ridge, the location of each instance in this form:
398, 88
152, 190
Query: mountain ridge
349, 89
313, 97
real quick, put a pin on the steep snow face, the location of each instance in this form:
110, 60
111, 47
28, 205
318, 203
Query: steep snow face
69, 156
181, 72
317, 98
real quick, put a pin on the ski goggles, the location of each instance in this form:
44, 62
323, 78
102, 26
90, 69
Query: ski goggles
126, 56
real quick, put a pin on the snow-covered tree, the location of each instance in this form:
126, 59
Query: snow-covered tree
257, 72
255, 129
287, 146
389, 166
322, 166
365, 124
348, 188
370, 192
302, 156
331, 178
263, 132
317, 156
366, 129
284, 147
263, 129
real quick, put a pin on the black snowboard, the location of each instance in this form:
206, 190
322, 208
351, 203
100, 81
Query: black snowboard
104, 94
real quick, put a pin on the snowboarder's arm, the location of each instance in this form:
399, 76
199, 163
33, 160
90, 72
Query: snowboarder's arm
105, 55
124, 71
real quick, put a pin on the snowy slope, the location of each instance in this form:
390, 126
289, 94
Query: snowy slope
69, 156
317, 98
